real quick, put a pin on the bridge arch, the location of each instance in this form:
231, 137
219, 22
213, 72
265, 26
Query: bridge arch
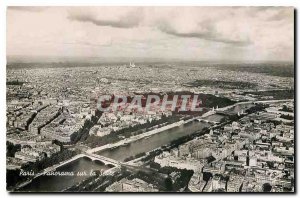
87, 158
97, 161
110, 165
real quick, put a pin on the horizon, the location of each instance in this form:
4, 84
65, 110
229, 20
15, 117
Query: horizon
93, 59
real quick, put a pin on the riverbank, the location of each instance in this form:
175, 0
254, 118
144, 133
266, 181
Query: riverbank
159, 130
137, 137
140, 160
71, 172
51, 168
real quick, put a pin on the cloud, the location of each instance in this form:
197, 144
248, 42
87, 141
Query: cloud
27, 8
207, 32
281, 14
88, 44
129, 20
246, 33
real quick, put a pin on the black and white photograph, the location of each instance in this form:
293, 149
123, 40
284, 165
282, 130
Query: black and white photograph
151, 99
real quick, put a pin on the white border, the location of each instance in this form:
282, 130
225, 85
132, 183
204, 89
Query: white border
154, 2
6, 3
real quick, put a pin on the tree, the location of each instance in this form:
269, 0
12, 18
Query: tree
11, 149
267, 187
168, 184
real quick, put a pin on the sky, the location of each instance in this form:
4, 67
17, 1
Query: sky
181, 33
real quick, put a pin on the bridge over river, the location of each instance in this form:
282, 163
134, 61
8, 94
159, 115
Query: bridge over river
207, 121
93, 157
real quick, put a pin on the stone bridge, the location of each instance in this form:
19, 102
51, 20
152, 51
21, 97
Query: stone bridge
207, 121
101, 158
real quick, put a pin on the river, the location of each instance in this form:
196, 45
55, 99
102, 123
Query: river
163, 138
59, 183
240, 107
46, 183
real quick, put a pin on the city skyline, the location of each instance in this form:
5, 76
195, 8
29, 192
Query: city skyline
198, 33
